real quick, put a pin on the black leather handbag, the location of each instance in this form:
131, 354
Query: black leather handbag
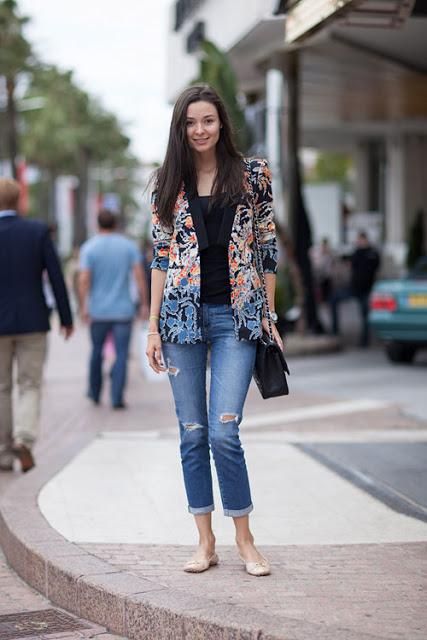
270, 368
270, 365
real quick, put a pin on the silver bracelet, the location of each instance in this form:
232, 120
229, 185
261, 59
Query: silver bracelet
153, 333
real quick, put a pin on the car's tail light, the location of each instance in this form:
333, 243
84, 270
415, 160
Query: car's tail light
383, 302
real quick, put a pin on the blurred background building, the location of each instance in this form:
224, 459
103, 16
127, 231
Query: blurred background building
362, 82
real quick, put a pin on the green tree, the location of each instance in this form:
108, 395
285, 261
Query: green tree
216, 70
71, 133
332, 166
14, 59
54, 134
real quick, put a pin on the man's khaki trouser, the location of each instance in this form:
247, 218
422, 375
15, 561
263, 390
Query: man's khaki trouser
29, 352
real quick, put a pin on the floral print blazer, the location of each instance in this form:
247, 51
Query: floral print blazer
177, 252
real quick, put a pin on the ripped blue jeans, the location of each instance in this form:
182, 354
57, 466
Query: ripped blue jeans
215, 428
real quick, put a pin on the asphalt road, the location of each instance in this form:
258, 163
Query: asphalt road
365, 373
393, 472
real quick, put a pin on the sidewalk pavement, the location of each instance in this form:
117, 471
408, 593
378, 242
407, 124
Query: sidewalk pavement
26, 613
100, 525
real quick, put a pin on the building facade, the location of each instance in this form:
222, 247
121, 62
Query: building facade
363, 87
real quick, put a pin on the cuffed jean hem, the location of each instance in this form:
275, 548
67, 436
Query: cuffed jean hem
199, 511
237, 513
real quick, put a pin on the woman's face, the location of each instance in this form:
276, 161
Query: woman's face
203, 126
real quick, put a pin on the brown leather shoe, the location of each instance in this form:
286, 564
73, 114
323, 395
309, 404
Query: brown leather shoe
24, 456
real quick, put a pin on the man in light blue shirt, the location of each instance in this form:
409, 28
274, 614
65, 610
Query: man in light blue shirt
108, 261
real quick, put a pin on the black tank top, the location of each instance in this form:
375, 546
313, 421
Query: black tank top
215, 278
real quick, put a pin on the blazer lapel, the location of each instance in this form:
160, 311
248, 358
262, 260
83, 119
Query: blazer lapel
226, 226
199, 223
242, 206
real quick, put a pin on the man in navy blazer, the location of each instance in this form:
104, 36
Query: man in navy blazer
26, 253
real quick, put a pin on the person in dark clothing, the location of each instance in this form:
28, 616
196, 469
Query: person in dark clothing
26, 253
365, 262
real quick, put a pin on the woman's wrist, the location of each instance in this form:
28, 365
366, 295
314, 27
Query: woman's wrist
272, 316
153, 322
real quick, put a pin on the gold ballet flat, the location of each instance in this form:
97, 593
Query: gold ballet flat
257, 568
198, 566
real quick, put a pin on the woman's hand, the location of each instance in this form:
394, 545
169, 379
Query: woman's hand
276, 334
154, 353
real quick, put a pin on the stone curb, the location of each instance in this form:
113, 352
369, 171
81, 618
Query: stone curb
126, 605
311, 345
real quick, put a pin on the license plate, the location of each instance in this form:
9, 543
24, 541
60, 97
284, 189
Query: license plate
417, 300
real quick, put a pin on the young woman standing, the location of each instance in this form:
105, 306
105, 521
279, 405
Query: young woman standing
206, 294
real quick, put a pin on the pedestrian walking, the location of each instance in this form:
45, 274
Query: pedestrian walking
26, 254
323, 260
364, 264
108, 261
206, 294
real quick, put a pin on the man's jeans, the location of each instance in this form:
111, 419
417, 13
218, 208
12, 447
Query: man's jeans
345, 293
215, 428
99, 330
29, 352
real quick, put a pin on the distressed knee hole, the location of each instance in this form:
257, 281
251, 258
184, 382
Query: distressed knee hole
172, 371
228, 417
192, 426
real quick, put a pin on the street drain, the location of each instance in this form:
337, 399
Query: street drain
31, 623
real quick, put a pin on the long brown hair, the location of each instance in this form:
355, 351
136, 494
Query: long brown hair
179, 167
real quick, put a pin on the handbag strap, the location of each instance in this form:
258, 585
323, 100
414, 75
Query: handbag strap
258, 257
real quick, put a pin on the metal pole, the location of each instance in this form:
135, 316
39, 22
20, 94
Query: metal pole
274, 103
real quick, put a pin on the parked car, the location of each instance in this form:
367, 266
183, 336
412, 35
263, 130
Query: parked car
398, 313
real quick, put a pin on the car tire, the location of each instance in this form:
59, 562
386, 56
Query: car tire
399, 352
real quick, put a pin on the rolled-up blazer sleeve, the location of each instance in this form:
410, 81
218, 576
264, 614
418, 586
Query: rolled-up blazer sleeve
161, 239
263, 196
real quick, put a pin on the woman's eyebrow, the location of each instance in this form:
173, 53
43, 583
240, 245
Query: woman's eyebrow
208, 115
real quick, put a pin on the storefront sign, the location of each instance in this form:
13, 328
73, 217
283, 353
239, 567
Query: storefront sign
307, 15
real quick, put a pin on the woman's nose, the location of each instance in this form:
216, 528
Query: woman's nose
199, 127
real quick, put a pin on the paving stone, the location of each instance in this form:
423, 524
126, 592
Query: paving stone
153, 623
309, 584
56, 549
36, 571
62, 588
17, 597
99, 601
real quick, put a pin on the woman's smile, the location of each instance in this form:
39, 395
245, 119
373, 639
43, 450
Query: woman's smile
203, 125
